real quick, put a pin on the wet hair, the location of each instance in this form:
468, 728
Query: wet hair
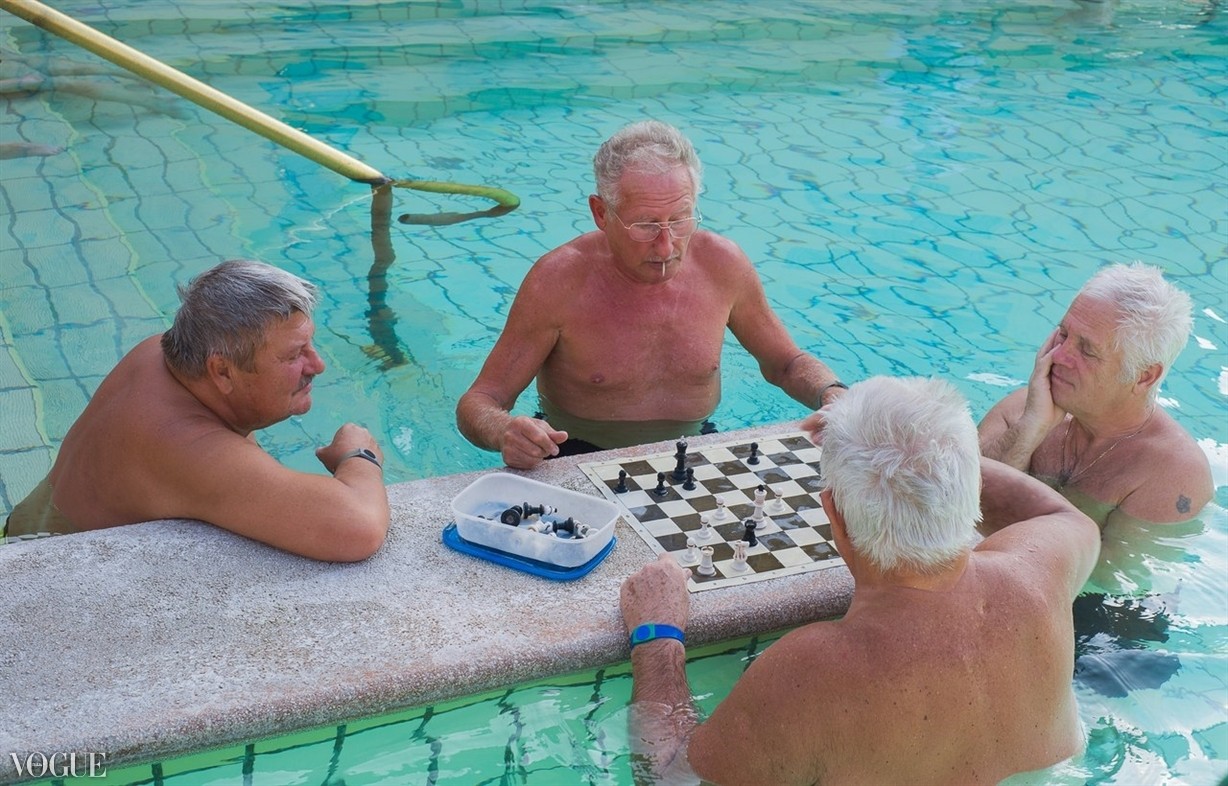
1154, 318
902, 460
648, 146
226, 311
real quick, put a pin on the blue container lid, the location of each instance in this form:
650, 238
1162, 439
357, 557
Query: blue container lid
453, 540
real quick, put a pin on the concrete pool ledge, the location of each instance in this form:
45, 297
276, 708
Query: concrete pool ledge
159, 639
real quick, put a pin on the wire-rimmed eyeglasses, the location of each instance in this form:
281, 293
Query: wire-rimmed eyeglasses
648, 231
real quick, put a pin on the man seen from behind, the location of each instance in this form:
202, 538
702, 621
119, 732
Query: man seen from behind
953, 663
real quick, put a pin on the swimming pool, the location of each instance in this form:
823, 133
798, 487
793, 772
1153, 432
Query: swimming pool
924, 188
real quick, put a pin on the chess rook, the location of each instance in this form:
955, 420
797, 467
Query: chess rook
706, 568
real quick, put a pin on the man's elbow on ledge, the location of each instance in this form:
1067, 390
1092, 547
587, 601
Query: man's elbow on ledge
353, 538
363, 545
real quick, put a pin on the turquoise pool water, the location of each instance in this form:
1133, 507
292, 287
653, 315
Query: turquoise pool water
923, 186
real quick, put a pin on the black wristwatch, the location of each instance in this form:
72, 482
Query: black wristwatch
363, 453
828, 386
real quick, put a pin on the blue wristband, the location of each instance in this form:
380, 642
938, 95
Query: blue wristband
653, 631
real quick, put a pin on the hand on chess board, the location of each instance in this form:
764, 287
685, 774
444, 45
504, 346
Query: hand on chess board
527, 441
657, 593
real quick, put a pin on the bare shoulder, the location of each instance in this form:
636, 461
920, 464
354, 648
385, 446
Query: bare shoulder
563, 269
1008, 407
1175, 476
725, 268
814, 657
719, 253
748, 734
572, 258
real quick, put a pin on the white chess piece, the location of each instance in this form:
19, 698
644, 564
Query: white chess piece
760, 498
705, 528
689, 557
739, 556
777, 506
719, 514
706, 568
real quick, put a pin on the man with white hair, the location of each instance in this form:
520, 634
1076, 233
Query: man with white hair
1088, 423
953, 662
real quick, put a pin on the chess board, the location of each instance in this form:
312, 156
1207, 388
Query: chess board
793, 538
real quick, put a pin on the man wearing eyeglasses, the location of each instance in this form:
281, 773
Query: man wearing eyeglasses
623, 326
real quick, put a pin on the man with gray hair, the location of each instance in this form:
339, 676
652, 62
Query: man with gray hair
623, 327
953, 662
168, 433
1088, 422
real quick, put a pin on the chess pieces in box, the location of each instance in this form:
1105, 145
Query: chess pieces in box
479, 509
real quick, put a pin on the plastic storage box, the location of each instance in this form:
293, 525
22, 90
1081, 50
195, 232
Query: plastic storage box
490, 495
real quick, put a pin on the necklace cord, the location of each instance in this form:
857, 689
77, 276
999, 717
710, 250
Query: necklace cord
1069, 476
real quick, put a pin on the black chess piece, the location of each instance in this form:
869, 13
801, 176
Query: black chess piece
689, 485
679, 472
753, 458
661, 490
749, 536
568, 526
511, 516
621, 488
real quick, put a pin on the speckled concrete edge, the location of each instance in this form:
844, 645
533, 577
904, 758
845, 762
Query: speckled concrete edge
165, 638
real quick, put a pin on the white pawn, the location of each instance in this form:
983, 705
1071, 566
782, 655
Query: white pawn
739, 556
706, 568
689, 557
720, 513
777, 506
705, 528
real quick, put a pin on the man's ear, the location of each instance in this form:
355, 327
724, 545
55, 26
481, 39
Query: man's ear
221, 373
1150, 376
839, 534
597, 206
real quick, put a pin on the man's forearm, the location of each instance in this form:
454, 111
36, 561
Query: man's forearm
662, 711
1008, 495
1013, 445
804, 379
481, 420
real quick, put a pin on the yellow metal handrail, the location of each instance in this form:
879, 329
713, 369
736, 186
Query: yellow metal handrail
236, 111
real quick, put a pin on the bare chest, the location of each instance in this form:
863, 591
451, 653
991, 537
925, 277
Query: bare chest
625, 342
1106, 471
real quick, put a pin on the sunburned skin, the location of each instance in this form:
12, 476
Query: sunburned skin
590, 320
1081, 426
